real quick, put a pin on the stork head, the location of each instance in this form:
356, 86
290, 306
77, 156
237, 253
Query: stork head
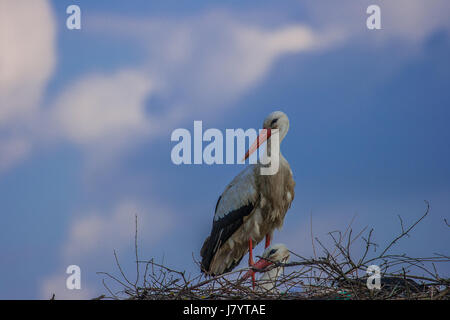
275, 120
274, 253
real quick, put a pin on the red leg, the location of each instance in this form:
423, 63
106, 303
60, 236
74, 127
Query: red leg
250, 260
250, 252
267, 241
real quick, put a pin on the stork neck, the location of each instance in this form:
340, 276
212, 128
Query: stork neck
272, 274
268, 278
269, 148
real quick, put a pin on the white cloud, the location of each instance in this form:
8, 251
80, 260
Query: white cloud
241, 57
94, 234
201, 64
27, 61
209, 61
101, 107
410, 21
27, 57
415, 19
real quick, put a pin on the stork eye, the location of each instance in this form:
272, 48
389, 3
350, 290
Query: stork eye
272, 252
273, 122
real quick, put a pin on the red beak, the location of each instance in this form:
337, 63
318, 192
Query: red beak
263, 136
261, 264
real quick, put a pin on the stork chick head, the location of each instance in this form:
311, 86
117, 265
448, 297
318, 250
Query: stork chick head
276, 253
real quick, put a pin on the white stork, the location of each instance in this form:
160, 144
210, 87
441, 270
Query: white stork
251, 207
273, 254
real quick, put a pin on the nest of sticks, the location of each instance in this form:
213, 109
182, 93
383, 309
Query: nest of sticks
334, 274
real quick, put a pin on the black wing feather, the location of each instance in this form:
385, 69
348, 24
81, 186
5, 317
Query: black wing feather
222, 230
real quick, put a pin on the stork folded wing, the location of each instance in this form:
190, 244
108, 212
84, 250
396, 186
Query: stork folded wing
236, 202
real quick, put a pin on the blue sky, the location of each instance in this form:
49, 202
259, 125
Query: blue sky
86, 117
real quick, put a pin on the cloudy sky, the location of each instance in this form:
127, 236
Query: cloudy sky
86, 117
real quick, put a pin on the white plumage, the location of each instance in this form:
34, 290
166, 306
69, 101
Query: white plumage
251, 207
240, 192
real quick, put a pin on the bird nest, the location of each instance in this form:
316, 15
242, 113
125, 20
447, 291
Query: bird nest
334, 274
